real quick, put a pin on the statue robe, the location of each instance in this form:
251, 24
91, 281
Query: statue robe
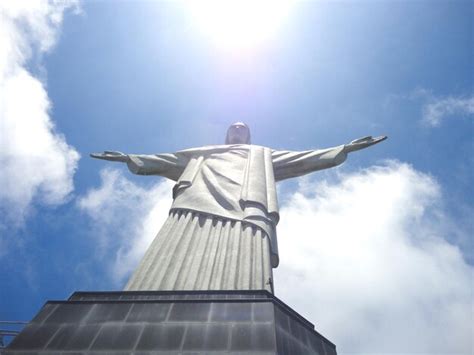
221, 231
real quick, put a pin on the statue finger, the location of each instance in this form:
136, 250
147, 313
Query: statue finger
105, 156
113, 152
378, 139
97, 155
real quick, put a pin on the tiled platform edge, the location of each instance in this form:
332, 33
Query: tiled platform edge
169, 322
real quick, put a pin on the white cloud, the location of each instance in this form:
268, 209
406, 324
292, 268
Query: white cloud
126, 218
366, 259
436, 109
36, 162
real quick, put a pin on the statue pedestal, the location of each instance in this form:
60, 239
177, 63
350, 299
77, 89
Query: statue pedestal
171, 322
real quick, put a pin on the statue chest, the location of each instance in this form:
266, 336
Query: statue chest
213, 183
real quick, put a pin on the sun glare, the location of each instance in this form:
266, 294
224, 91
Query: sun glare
233, 24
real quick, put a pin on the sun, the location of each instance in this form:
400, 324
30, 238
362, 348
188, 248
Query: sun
243, 24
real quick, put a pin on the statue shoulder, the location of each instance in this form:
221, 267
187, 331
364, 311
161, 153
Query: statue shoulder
210, 149
207, 149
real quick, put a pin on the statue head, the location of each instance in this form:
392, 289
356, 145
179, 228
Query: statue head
238, 133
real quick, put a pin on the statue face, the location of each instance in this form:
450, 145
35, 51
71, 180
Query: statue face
238, 133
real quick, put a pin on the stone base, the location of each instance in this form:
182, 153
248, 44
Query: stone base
171, 322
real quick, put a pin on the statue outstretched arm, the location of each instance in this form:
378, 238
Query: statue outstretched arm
288, 164
168, 165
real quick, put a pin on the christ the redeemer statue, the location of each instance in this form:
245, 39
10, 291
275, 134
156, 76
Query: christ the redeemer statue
220, 233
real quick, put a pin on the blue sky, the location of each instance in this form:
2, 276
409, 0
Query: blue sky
143, 77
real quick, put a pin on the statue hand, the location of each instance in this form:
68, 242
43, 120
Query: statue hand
362, 143
111, 155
